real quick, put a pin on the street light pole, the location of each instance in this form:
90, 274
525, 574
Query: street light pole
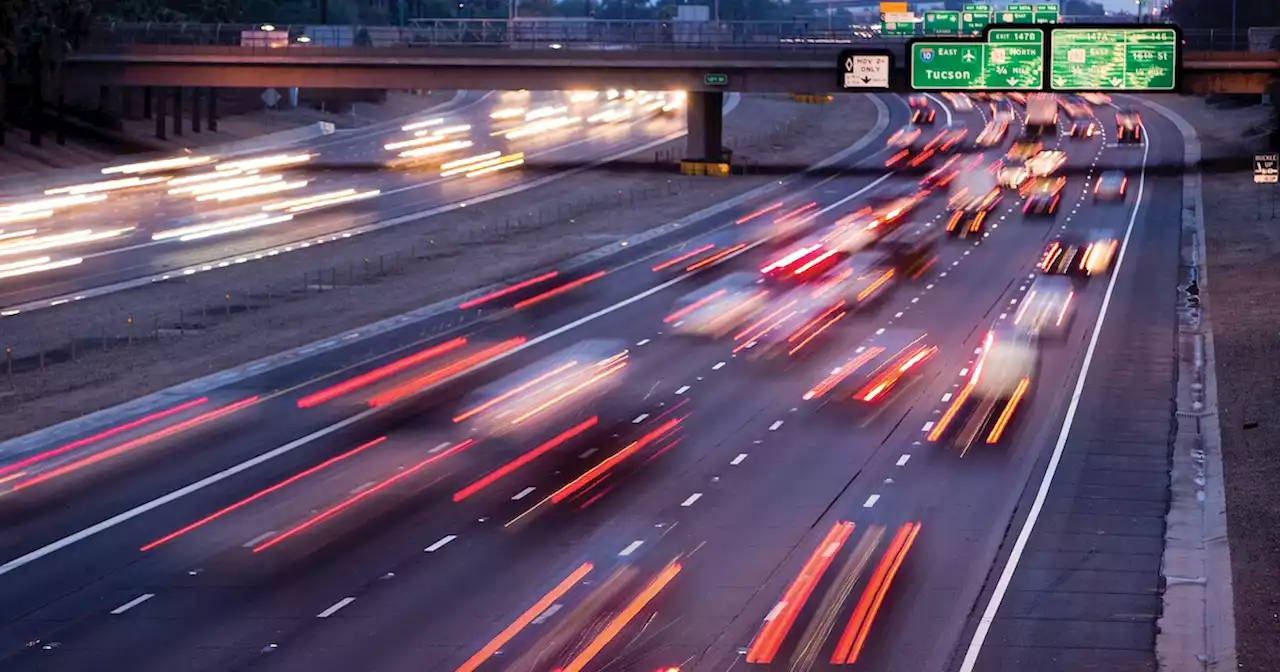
1233, 25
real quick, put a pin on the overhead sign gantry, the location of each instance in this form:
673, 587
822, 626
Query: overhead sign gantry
1049, 57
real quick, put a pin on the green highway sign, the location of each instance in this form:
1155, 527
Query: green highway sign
1046, 14
898, 25
1017, 14
715, 80
973, 18
1114, 59
941, 23
1010, 60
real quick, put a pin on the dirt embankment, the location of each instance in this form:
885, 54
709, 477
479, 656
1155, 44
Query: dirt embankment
102, 352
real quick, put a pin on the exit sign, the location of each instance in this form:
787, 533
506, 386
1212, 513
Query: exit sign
715, 80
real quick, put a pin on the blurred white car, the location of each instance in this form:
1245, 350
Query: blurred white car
1047, 307
718, 308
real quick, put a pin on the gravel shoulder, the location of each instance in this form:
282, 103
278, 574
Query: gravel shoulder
102, 352
1242, 231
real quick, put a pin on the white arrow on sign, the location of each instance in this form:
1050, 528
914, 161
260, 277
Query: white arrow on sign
1115, 81
868, 71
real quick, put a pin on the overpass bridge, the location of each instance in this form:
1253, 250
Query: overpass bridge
748, 57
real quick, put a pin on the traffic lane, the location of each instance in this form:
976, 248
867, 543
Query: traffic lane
1103, 484
404, 193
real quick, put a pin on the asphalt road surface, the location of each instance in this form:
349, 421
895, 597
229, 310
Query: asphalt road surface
702, 516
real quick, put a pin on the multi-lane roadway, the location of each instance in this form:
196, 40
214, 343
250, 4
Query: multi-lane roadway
683, 507
135, 223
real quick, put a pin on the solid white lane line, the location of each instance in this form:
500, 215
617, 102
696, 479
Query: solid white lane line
738, 460
1024, 535
336, 606
692, 498
631, 548
132, 603
440, 544
523, 493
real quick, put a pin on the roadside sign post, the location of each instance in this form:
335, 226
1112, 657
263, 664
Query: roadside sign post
1114, 59
1266, 170
1017, 14
942, 23
973, 18
862, 70
1012, 59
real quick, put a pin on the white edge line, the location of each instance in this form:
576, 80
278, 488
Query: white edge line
1024, 535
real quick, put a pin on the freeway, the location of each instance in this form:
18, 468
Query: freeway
338, 514
129, 226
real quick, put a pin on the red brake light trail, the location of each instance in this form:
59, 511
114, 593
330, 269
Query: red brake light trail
614, 460
567, 287
379, 373
717, 257
352, 500
855, 634
106, 434
684, 257
694, 306
512, 392
842, 372
510, 467
439, 375
623, 617
763, 211
779, 621
135, 443
508, 290
787, 216
1005, 415
261, 493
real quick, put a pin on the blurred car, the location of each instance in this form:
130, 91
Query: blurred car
1096, 98
891, 192
942, 175
1083, 129
872, 371
1002, 110
1043, 196
1019, 98
918, 100
546, 392
1046, 309
970, 209
1012, 174
911, 249
789, 324
719, 307
1024, 149
1046, 162
959, 101
923, 115
950, 137
906, 137
992, 134
860, 278
1080, 256
1129, 126
806, 260
1075, 107
1112, 185
984, 407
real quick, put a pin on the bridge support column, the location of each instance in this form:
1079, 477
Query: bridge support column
177, 110
146, 102
126, 102
211, 122
158, 113
705, 112
195, 110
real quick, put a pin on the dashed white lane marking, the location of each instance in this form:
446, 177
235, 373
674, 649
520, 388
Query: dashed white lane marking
879, 331
588, 453
551, 611
132, 603
631, 548
718, 366
738, 460
774, 427
927, 426
336, 606
898, 314
915, 299
440, 544
682, 390
1004, 315
640, 418
946, 397
259, 539
942, 274
523, 493
642, 342
871, 501
902, 461
930, 286
964, 371
362, 487
692, 498
977, 351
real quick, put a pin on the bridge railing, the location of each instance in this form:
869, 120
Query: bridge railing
536, 34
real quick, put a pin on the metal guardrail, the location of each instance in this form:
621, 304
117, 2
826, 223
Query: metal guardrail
574, 34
